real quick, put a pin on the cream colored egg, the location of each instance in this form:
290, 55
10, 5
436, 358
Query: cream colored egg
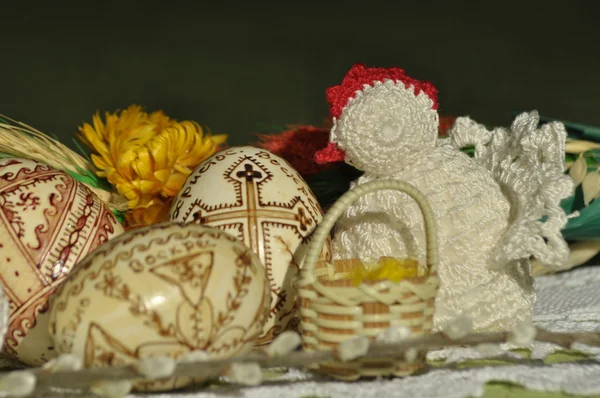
167, 289
48, 222
4, 310
260, 199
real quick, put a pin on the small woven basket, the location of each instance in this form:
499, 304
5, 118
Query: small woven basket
333, 310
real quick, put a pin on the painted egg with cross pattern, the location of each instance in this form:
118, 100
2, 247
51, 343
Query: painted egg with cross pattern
259, 198
48, 223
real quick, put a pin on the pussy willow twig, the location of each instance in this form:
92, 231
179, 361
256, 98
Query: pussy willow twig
213, 368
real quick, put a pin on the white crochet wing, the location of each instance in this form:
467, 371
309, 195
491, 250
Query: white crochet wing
528, 163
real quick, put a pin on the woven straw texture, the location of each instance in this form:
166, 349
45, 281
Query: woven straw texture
333, 310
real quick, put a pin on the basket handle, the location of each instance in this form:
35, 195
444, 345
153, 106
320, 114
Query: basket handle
325, 226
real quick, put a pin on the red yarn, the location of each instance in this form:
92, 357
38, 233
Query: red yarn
330, 154
446, 122
297, 146
359, 75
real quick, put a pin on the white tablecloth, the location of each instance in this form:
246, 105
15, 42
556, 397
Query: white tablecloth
566, 302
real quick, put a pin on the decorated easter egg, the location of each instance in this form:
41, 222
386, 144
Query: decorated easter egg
260, 199
4, 309
48, 222
167, 289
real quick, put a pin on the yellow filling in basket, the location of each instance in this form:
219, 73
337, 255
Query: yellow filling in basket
387, 268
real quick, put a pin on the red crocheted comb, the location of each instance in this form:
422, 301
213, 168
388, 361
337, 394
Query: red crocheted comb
354, 81
359, 75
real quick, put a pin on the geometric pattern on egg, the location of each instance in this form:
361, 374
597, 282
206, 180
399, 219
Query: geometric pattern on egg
48, 223
164, 290
262, 200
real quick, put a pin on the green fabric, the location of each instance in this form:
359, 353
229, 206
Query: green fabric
509, 390
500, 389
587, 225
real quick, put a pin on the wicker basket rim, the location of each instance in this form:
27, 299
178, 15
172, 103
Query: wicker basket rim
324, 228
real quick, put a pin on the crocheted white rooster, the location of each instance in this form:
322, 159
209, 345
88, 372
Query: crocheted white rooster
494, 211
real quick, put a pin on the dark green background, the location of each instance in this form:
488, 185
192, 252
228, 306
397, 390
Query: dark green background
58, 65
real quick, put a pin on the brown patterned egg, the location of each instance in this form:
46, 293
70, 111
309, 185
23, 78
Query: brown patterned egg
260, 199
167, 289
48, 222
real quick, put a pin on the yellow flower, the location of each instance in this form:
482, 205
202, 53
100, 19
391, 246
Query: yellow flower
147, 157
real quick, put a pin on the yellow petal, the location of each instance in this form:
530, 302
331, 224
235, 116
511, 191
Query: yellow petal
160, 152
146, 187
95, 141
146, 201
125, 162
115, 178
162, 175
135, 218
98, 124
131, 193
100, 162
173, 185
201, 151
152, 214
143, 165
159, 119
219, 139
186, 171
156, 214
